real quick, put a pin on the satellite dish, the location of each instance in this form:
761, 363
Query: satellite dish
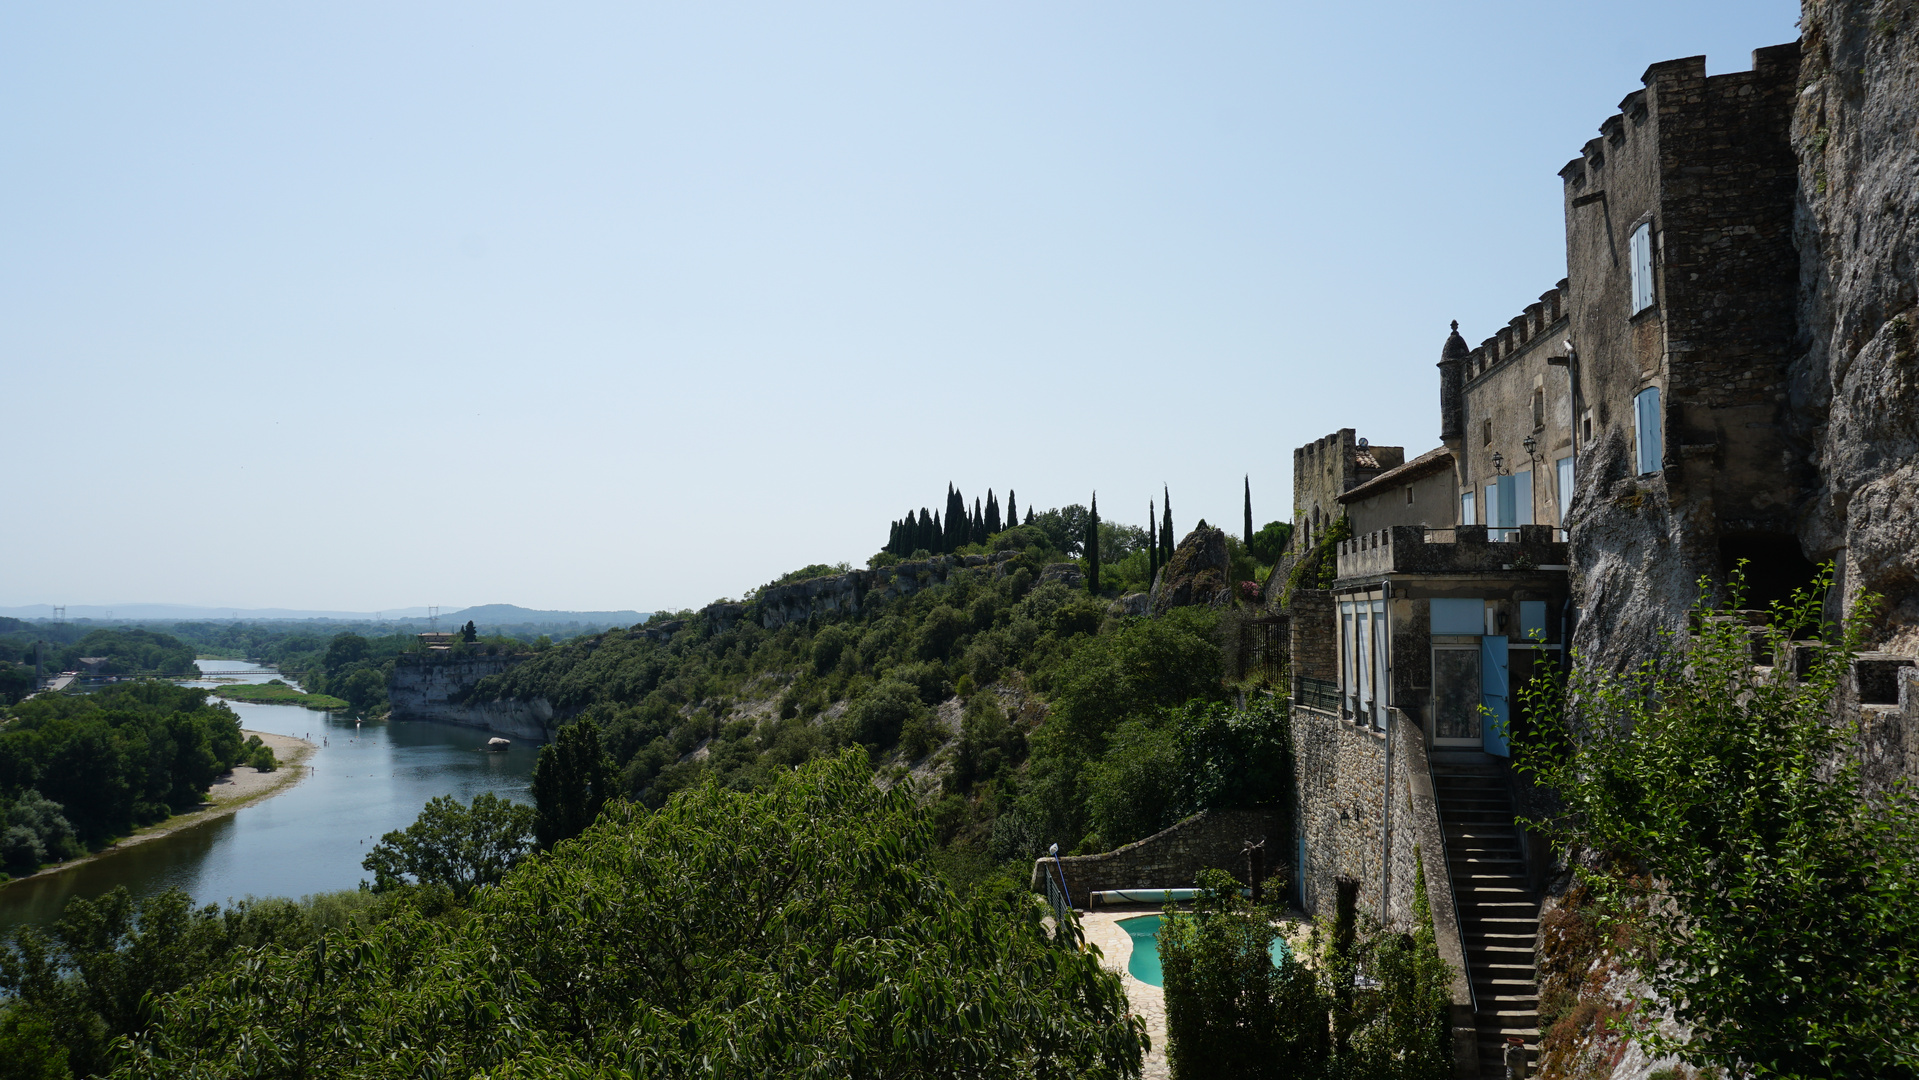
1363, 444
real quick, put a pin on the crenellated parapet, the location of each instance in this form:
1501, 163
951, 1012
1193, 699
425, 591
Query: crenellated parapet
1519, 334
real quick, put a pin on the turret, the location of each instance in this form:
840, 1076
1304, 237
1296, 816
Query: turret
1452, 388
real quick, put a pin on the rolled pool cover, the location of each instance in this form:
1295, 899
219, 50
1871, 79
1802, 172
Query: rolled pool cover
1150, 896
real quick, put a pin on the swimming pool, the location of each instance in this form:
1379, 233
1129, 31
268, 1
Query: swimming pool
1144, 964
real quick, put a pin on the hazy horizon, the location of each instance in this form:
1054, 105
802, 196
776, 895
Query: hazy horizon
623, 307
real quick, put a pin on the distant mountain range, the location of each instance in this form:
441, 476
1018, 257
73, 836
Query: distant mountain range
484, 615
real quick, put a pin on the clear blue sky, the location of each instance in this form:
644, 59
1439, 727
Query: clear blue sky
357, 305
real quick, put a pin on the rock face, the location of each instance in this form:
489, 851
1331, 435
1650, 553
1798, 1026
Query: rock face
1857, 386
851, 592
1198, 573
434, 687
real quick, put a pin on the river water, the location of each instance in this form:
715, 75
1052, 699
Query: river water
363, 781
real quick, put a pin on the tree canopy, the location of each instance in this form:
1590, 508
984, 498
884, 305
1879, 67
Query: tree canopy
795, 931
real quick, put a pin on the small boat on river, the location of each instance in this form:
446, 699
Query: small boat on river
497, 745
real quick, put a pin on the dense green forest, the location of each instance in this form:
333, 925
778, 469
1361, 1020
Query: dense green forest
796, 931
1044, 714
78, 770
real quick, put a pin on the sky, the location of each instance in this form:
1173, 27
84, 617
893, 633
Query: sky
361, 306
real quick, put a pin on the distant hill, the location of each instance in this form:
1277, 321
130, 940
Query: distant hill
485, 615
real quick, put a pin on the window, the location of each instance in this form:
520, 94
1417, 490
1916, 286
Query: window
1564, 467
1468, 512
1486, 438
1539, 410
1456, 693
1409, 495
1645, 415
1642, 268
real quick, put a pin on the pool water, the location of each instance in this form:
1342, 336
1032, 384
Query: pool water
1144, 964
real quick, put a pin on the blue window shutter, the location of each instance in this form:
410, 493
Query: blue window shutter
1646, 429
1642, 268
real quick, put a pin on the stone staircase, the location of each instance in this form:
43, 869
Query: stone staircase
1498, 911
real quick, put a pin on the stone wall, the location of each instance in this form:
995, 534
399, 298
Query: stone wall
1706, 162
1358, 821
1173, 857
434, 687
1314, 654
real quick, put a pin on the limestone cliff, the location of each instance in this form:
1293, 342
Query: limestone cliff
1856, 130
436, 687
852, 592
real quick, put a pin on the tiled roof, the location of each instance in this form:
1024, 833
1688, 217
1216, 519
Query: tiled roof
1426, 464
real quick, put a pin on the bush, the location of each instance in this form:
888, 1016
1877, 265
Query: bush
1133, 790
1231, 1011
882, 712
1787, 895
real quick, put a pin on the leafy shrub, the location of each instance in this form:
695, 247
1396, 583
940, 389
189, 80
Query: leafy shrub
1786, 894
879, 715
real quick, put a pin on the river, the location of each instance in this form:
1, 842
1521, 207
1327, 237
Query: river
363, 781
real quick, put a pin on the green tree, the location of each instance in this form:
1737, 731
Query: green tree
1269, 543
1231, 1010
572, 779
1166, 526
1152, 545
1092, 547
469, 633
459, 848
796, 931
1777, 897
1012, 509
1249, 510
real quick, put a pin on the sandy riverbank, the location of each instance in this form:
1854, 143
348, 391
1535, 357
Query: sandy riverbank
244, 786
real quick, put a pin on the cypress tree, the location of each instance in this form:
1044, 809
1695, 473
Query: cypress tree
1152, 546
1092, 547
992, 513
955, 519
1029, 515
892, 539
1012, 509
928, 539
1249, 511
979, 522
572, 779
939, 535
1166, 527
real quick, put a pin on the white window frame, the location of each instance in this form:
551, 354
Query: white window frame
1642, 262
1469, 508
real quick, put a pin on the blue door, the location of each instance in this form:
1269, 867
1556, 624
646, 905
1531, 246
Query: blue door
1492, 694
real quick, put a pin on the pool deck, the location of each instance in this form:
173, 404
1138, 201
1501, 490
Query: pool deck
1102, 929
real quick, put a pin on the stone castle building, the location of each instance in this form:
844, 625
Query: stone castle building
1664, 414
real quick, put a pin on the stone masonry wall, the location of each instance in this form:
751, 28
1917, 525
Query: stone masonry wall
1347, 829
1173, 857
